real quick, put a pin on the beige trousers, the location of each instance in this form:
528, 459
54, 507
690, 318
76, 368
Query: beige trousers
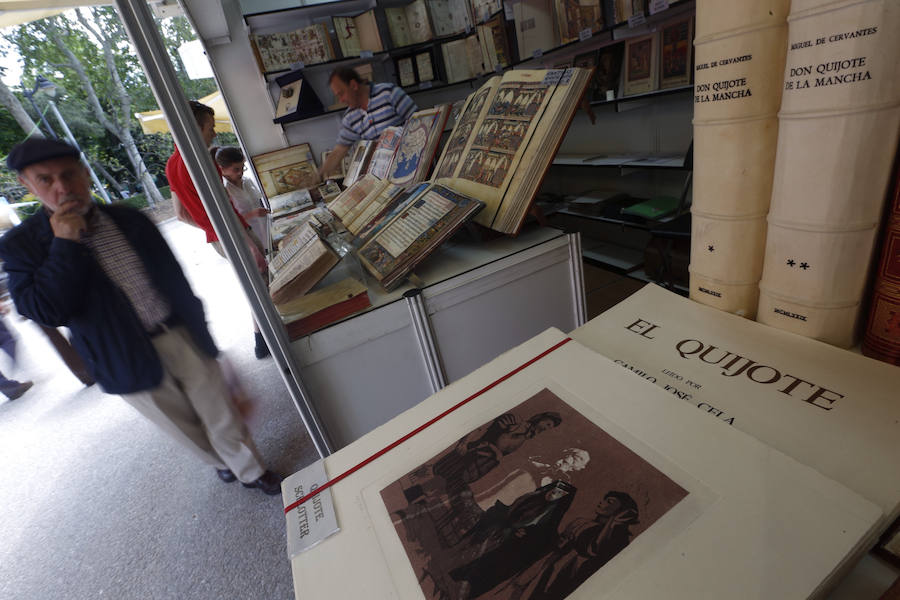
193, 405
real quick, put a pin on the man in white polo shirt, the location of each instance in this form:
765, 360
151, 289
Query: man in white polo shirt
371, 108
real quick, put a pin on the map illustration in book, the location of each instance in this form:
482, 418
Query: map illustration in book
506, 138
418, 145
527, 506
286, 170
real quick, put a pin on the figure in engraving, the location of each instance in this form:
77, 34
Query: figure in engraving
509, 539
584, 546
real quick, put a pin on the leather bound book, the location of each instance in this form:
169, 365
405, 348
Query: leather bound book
882, 335
739, 61
837, 133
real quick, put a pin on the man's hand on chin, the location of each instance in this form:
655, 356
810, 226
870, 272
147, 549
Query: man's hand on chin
67, 223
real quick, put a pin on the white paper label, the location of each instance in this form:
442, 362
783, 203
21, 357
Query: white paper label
425, 85
315, 519
297, 66
508, 11
585, 34
610, 95
658, 6
537, 53
365, 54
636, 20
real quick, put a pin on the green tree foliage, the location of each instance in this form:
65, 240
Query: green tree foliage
41, 56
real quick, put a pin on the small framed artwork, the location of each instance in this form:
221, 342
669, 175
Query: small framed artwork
675, 54
641, 56
605, 85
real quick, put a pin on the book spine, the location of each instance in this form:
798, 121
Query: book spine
739, 61
881, 339
838, 130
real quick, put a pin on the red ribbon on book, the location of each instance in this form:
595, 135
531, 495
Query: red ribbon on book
422, 427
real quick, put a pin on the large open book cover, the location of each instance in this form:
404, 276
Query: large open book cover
506, 139
550, 486
286, 170
279, 51
828, 192
358, 33
796, 394
428, 219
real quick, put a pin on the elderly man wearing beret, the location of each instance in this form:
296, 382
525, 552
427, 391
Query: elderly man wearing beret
106, 273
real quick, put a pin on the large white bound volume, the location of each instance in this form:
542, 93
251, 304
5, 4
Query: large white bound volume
573, 478
831, 409
838, 131
739, 59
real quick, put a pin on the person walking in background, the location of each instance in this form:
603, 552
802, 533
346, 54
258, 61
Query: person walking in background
106, 273
189, 208
10, 388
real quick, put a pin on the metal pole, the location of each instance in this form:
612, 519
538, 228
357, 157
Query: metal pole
576, 278
425, 337
141, 27
62, 123
41, 119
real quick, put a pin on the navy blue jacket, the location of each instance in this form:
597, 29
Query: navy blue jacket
58, 282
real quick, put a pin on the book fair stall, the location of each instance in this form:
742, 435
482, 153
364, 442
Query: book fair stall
731, 433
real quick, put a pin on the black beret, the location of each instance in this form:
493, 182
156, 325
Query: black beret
37, 149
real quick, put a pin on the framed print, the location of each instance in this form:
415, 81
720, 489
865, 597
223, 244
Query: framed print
641, 54
675, 63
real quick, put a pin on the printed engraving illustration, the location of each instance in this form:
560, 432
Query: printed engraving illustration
676, 43
639, 60
526, 507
